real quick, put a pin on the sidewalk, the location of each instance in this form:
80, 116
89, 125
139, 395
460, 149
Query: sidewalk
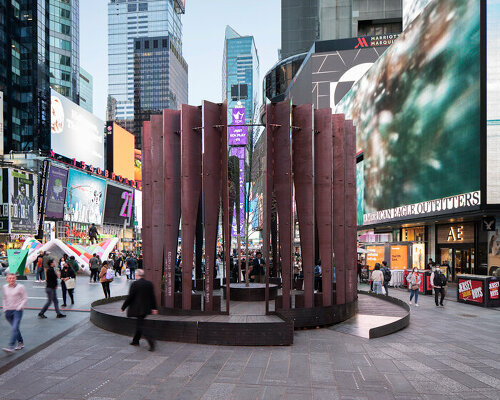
38, 333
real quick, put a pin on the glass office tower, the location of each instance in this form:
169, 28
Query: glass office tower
160, 80
86, 90
24, 75
64, 33
128, 20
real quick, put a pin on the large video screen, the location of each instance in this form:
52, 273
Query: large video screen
123, 152
76, 133
493, 101
417, 113
23, 189
56, 192
84, 198
411, 10
119, 205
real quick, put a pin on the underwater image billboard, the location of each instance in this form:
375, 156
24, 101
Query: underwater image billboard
417, 112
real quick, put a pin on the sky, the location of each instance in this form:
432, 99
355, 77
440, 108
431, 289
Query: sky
203, 42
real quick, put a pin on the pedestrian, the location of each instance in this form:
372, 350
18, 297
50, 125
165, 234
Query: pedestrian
414, 281
140, 303
51, 290
93, 234
258, 270
73, 264
358, 269
13, 301
132, 266
318, 273
62, 261
377, 278
387, 276
438, 281
67, 283
40, 276
118, 264
45, 262
94, 268
105, 277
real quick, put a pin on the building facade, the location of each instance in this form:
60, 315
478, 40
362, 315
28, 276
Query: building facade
160, 79
305, 21
24, 75
86, 91
64, 41
128, 20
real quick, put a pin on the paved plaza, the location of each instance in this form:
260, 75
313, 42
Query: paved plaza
445, 353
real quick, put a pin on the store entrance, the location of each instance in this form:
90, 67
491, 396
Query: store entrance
460, 260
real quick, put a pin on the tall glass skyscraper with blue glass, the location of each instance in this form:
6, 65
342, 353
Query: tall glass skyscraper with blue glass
128, 20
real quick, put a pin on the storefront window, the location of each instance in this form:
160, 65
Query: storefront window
416, 234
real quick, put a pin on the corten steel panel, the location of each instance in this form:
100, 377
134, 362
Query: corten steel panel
156, 273
172, 191
147, 217
268, 196
190, 192
226, 226
323, 196
211, 189
303, 175
339, 204
282, 148
350, 211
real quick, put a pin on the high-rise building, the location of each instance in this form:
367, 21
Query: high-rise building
86, 90
24, 75
64, 39
160, 79
127, 21
240, 73
305, 21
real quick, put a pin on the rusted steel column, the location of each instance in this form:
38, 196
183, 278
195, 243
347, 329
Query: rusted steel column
268, 196
226, 225
156, 272
339, 205
190, 192
172, 191
323, 163
303, 174
147, 217
350, 211
282, 148
211, 190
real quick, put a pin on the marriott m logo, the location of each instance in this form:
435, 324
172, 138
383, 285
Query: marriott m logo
361, 43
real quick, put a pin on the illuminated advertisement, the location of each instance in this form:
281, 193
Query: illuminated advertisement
119, 205
360, 193
375, 255
84, 198
411, 10
76, 133
493, 251
399, 257
56, 192
237, 135
4, 201
421, 137
493, 102
23, 189
138, 167
418, 255
120, 151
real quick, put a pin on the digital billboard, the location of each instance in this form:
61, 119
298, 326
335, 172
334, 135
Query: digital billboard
411, 10
120, 151
76, 133
84, 198
138, 167
417, 114
119, 205
23, 189
493, 101
56, 192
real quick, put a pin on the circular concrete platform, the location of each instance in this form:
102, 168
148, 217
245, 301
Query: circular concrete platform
252, 292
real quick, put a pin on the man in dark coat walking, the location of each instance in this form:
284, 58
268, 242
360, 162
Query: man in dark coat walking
140, 303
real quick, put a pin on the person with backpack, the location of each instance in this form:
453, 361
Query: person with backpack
94, 268
387, 276
438, 281
73, 264
106, 276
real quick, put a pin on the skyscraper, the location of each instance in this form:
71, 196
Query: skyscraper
126, 22
305, 21
160, 79
24, 75
64, 34
86, 90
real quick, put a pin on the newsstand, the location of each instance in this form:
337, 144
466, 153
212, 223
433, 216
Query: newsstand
480, 290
